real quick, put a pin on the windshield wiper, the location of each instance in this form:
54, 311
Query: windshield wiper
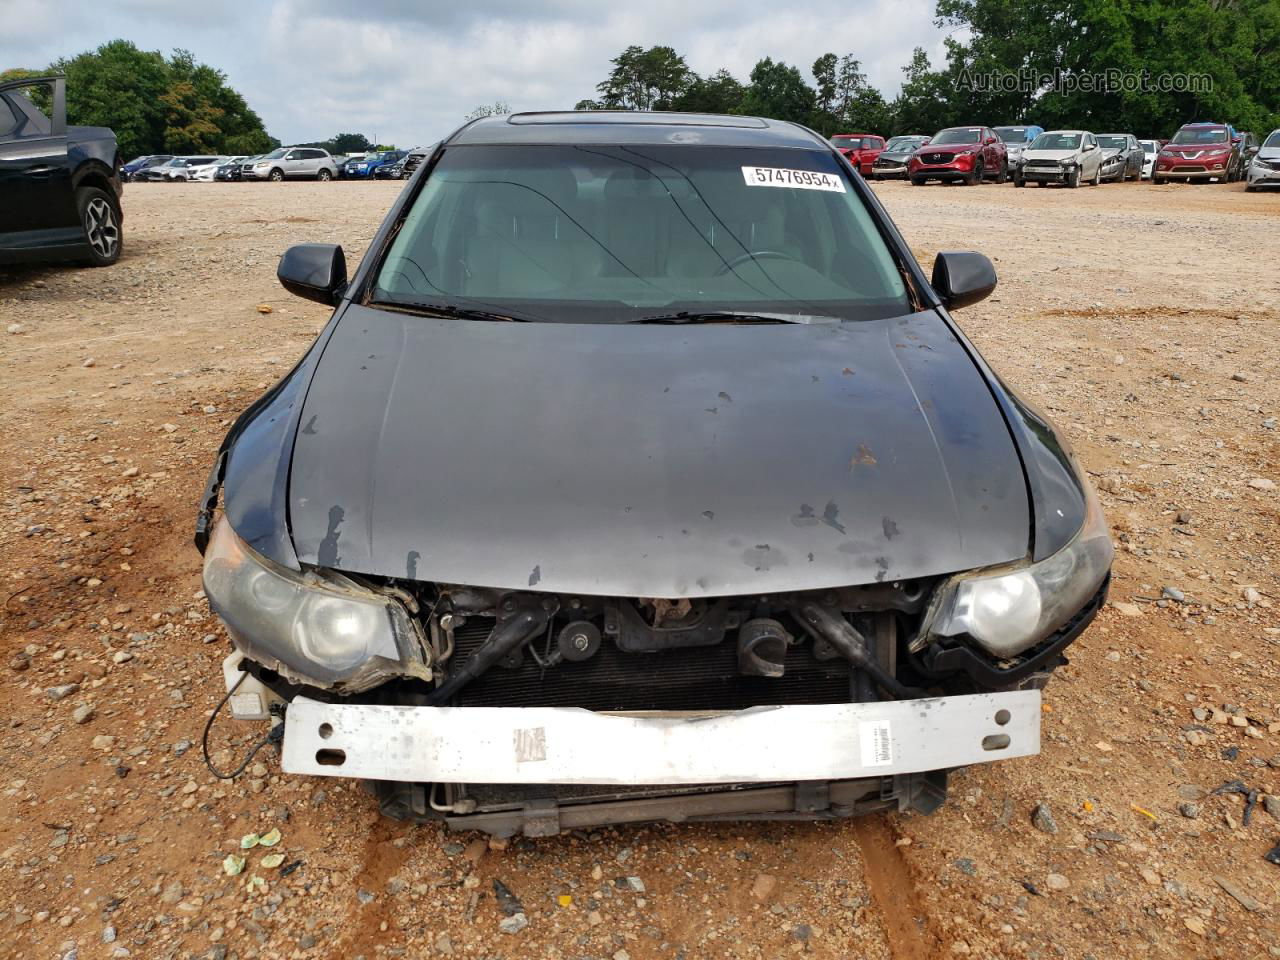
446, 310
729, 316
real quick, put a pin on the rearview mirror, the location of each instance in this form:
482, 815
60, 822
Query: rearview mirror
314, 271
962, 277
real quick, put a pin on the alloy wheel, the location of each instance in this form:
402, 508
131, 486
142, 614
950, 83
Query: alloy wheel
101, 228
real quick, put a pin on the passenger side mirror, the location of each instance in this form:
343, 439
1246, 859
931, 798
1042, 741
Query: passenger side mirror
962, 277
314, 271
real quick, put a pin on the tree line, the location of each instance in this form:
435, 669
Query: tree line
154, 103
1109, 62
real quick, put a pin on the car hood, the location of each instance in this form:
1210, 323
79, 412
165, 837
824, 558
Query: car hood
1194, 150
896, 156
1268, 153
948, 148
1050, 154
652, 460
87, 134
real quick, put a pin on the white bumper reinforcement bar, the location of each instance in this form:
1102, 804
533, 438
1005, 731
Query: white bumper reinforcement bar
566, 745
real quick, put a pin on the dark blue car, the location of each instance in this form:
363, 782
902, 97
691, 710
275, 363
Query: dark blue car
130, 169
362, 168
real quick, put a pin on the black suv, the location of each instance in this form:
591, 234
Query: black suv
59, 186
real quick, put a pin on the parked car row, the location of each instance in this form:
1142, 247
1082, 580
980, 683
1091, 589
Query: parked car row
1029, 154
284, 163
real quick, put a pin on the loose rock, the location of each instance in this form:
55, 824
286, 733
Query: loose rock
1042, 819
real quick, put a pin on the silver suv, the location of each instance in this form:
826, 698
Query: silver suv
293, 163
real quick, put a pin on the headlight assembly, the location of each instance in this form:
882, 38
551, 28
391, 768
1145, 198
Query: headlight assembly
1009, 610
323, 630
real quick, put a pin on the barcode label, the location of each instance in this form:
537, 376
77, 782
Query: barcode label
876, 738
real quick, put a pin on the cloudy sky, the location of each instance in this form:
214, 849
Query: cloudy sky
408, 70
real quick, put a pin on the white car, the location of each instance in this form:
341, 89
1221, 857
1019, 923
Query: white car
205, 173
1149, 150
1061, 156
293, 163
1264, 169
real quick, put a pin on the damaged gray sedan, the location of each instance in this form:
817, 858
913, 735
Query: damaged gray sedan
641, 473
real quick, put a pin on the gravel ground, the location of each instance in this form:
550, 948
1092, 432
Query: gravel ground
1142, 318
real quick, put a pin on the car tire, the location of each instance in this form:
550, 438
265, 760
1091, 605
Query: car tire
1003, 175
1019, 180
975, 178
1073, 178
917, 181
324, 176
101, 221
1097, 176
276, 175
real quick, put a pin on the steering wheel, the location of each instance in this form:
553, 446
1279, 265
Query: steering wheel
756, 255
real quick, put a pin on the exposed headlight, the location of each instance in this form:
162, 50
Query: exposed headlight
1008, 611
324, 630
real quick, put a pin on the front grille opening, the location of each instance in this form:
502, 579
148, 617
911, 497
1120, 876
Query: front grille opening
691, 678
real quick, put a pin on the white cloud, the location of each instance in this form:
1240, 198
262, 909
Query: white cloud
408, 71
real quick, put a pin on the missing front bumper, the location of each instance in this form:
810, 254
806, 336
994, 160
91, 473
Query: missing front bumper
561, 745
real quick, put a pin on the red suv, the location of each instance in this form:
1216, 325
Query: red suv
967, 154
1198, 151
861, 149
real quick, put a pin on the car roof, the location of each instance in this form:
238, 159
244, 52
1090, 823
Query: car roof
1068, 131
632, 127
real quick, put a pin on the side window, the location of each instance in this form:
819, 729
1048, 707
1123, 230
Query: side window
8, 120
293, 155
28, 105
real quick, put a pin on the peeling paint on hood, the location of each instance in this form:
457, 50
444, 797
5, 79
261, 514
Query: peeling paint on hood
643, 460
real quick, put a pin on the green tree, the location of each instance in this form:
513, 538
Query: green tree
159, 105
644, 79
1235, 44
191, 122
718, 93
922, 105
777, 90
345, 143
494, 109
824, 75
119, 86
19, 73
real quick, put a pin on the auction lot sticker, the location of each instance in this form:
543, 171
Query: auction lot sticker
801, 179
876, 740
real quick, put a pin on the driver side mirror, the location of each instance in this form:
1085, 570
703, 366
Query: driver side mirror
1090, 146
314, 271
962, 277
